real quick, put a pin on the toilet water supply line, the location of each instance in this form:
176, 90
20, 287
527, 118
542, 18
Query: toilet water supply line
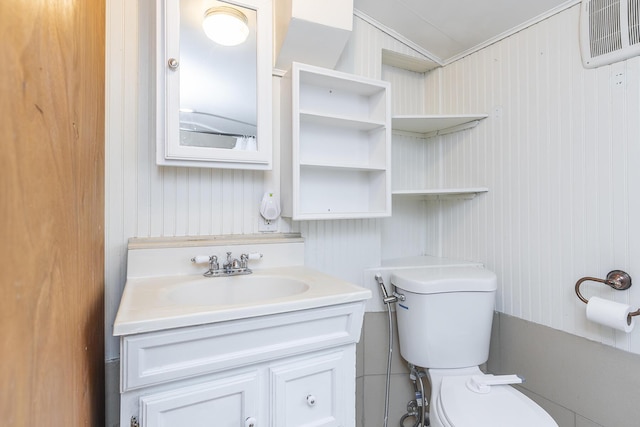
415, 374
418, 407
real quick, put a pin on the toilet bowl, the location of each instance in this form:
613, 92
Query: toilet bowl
444, 324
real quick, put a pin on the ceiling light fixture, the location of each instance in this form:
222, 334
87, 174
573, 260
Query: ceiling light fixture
226, 25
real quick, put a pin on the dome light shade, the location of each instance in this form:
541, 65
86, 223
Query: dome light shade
226, 25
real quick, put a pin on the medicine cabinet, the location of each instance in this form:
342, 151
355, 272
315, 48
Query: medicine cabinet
213, 102
336, 145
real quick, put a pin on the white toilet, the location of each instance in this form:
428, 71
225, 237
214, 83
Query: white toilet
444, 325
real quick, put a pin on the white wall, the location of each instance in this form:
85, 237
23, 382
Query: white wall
560, 154
557, 208
144, 200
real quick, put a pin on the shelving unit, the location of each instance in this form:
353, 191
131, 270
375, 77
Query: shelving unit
430, 126
336, 135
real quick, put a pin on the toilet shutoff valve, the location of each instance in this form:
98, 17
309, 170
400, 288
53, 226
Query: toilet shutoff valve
482, 383
419, 398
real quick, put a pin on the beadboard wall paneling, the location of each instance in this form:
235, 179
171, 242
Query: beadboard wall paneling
363, 53
145, 200
413, 228
560, 154
343, 248
121, 136
346, 247
557, 153
407, 93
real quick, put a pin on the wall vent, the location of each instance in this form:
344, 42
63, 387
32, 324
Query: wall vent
609, 31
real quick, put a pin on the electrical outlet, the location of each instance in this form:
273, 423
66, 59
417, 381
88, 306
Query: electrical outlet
267, 226
619, 79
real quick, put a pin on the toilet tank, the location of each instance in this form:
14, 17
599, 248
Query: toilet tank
445, 320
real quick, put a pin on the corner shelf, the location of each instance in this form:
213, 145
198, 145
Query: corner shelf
433, 125
408, 62
442, 193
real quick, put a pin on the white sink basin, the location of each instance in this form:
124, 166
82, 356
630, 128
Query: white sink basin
155, 303
234, 290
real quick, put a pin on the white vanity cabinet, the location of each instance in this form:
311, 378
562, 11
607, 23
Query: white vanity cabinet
226, 401
335, 146
282, 370
314, 390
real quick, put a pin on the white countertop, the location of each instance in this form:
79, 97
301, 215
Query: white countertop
146, 304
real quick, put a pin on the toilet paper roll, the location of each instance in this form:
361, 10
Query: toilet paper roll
610, 313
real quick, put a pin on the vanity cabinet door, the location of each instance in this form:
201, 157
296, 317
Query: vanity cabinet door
316, 390
227, 402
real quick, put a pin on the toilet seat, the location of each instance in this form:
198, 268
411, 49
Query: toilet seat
503, 406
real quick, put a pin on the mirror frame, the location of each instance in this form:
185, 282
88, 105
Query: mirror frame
169, 151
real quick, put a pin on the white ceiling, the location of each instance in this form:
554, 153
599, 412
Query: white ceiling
446, 29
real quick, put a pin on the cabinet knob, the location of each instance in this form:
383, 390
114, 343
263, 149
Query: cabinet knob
250, 422
173, 63
311, 400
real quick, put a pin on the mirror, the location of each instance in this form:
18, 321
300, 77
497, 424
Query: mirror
213, 101
218, 88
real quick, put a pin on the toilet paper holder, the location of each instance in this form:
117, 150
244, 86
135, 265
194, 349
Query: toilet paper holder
616, 279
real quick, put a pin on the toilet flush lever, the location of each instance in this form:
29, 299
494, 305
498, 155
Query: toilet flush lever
482, 383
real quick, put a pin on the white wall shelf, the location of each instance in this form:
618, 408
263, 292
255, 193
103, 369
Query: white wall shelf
408, 62
335, 150
341, 166
432, 125
339, 121
442, 193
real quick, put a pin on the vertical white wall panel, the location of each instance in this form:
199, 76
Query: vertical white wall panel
343, 248
631, 130
407, 90
146, 200
559, 155
120, 150
363, 53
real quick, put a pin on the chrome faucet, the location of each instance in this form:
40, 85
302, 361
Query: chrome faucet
231, 264
213, 266
244, 260
231, 267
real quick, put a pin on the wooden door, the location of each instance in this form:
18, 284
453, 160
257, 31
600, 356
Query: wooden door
51, 212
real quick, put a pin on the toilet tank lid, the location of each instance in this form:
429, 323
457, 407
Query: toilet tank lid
445, 279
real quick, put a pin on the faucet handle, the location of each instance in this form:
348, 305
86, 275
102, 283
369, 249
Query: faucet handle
244, 258
200, 259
